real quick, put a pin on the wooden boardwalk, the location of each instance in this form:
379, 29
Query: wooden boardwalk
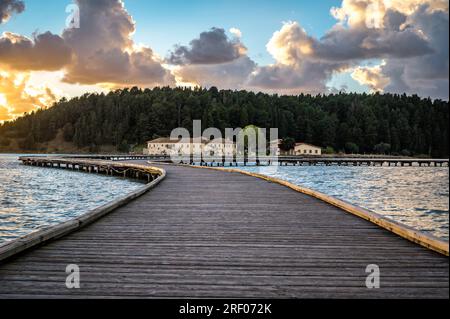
206, 233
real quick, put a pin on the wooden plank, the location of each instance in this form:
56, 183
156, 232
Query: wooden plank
402, 230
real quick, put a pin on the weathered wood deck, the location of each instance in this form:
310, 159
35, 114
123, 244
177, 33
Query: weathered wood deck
205, 233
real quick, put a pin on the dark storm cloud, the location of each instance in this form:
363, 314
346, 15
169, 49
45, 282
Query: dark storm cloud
8, 7
413, 49
212, 47
344, 44
46, 51
105, 52
426, 75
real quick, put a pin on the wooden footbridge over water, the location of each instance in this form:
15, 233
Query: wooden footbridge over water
212, 233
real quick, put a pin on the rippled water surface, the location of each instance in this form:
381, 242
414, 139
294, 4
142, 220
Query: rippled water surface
415, 196
32, 198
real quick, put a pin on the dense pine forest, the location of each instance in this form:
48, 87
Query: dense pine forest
351, 123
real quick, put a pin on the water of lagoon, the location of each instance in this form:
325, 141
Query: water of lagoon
32, 198
415, 196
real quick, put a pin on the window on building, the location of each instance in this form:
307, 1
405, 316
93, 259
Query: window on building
317, 151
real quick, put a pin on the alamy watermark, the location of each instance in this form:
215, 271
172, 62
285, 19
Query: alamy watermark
374, 15
73, 19
238, 145
373, 279
73, 276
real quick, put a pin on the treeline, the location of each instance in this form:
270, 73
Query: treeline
353, 123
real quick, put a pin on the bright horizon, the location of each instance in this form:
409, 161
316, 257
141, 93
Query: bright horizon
290, 47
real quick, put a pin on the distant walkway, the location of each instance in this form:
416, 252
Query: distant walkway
205, 233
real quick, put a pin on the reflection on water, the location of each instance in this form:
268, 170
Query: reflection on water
32, 198
415, 196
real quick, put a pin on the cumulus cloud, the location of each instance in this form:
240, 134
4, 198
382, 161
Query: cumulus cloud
370, 29
291, 44
297, 68
350, 44
213, 59
372, 77
231, 75
342, 43
101, 51
410, 36
105, 52
19, 56
279, 78
212, 47
304, 63
426, 75
8, 7
18, 95
355, 13
236, 32
46, 51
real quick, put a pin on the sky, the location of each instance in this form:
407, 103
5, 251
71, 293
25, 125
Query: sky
162, 23
285, 47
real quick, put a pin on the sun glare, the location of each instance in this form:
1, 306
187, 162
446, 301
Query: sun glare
3, 100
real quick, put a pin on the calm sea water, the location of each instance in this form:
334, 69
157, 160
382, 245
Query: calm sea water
32, 198
415, 196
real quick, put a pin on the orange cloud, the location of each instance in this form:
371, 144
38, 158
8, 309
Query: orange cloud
291, 45
372, 77
18, 96
46, 51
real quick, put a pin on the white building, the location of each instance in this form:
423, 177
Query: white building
186, 147
165, 146
307, 149
159, 146
300, 149
219, 147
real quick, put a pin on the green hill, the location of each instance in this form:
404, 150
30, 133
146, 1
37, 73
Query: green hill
366, 123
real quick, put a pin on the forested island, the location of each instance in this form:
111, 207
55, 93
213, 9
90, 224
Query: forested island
123, 120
